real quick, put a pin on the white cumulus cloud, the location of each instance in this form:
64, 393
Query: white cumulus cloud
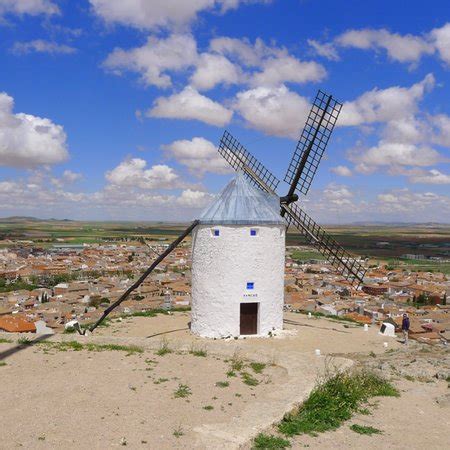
275, 111
278, 70
154, 14
198, 155
402, 48
212, 70
382, 105
41, 46
28, 141
31, 7
156, 57
441, 39
134, 173
189, 104
343, 171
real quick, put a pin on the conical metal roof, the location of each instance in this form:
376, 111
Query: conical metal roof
241, 203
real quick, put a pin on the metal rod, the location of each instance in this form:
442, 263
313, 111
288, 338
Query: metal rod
125, 295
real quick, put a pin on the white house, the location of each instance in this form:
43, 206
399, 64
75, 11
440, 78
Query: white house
238, 257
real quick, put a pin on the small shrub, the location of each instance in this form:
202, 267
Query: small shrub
237, 363
24, 341
222, 384
257, 367
2, 363
178, 432
160, 380
270, 442
183, 391
249, 380
5, 341
201, 352
208, 408
164, 348
231, 373
362, 429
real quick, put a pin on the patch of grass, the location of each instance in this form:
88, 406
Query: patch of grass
231, 373
249, 380
364, 411
23, 341
362, 429
257, 367
164, 348
334, 400
269, 442
372, 354
222, 384
77, 346
237, 363
409, 378
183, 391
178, 432
154, 312
69, 330
2, 363
208, 408
5, 341
201, 352
160, 380
130, 349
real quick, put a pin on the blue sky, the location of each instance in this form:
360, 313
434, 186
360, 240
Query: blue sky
112, 109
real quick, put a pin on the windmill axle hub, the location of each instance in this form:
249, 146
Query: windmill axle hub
288, 199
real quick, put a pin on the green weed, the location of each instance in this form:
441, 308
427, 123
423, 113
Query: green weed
183, 391
201, 352
362, 429
249, 379
164, 348
269, 442
257, 367
333, 401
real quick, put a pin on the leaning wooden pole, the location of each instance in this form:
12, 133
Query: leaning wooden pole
155, 263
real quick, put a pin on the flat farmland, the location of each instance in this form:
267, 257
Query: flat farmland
383, 242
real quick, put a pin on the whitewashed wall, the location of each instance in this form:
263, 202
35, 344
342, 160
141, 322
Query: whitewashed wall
221, 268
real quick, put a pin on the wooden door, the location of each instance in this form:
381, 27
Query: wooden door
249, 318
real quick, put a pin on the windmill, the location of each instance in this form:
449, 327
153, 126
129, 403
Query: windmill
300, 174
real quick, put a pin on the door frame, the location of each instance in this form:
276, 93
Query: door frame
257, 304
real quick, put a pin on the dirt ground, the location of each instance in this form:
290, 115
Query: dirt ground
101, 399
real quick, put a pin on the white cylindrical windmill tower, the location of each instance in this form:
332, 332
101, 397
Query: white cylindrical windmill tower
238, 259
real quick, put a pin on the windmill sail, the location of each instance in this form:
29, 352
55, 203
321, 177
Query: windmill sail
341, 260
141, 279
313, 141
240, 159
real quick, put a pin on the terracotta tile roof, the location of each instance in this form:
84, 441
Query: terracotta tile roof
16, 324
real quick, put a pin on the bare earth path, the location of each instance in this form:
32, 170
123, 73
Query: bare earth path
80, 399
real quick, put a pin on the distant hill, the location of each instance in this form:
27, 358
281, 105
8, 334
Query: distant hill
22, 219
398, 224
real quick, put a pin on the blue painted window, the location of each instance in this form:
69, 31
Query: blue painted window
253, 232
250, 285
216, 233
